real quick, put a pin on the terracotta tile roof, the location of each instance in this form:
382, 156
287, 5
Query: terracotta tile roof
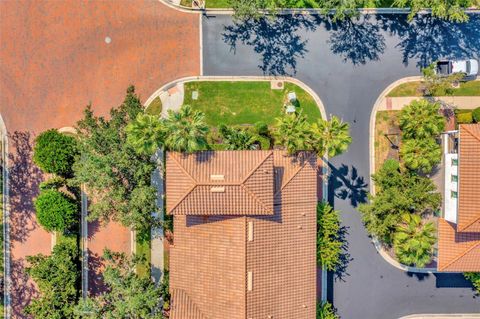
250, 266
220, 183
469, 178
457, 251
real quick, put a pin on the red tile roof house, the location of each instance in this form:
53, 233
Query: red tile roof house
244, 234
459, 229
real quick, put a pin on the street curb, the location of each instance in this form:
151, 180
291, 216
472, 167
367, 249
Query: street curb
165, 87
442, 316
303, 11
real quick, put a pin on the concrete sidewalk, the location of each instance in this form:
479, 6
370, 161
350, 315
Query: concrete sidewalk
461, 102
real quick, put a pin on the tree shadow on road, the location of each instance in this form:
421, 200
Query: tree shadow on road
24, 178
345, 258
345, 183
426, 39
276, 40
356, 41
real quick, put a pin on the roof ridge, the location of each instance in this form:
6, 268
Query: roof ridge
252, 194
173, 155
463, 228
269, 153
474, 245
474, 135
295, 173
186, 297
195, 183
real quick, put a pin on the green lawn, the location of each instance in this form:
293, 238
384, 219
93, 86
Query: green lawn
143, 248
155, 107
471, 88
234, 103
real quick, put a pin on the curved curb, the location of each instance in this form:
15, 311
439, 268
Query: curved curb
68, 130
443, 316
371, 143
305, 11
302, 85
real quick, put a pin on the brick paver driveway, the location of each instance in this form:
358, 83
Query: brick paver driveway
58, 56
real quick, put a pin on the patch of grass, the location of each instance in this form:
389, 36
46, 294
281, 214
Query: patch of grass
155, 107
234, 103
386, 122
143, 248
217, 4
471, 88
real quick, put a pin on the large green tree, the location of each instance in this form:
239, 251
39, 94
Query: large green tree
57, 277
421, 119
116, 177
186, 130
127, 296
329, 244
293, 132
56, 211
397, 192
146, 133
413, 241
453, 10
331, 137
55, 152
421, 154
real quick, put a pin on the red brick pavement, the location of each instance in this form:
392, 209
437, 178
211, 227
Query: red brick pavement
54, 61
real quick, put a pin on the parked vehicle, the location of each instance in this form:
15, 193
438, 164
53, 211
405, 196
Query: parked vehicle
468, 67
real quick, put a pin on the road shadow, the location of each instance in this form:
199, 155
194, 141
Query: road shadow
356, 40
24, 178
419, 276
345, 183
275, 40
340, 272
452, 280
22, 289
426, 39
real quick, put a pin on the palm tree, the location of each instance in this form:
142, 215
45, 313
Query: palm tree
186, 130
421, 119
413, 242
292, 131
145, 133
331, 137
237, 139
421, 154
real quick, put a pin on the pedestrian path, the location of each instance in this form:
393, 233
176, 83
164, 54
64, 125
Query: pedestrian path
461, 102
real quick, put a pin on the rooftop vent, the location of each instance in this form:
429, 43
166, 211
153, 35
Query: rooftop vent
217, 177
218, 189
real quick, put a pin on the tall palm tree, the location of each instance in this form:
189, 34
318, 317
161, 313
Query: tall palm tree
331, 137
146, 133
292, 131
421, 119
237, 139
186, 130
413, 241
422, 154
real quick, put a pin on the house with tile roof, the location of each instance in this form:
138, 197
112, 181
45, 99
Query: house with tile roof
459, 229
244, 234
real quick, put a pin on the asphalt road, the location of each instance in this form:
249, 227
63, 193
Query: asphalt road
349, 65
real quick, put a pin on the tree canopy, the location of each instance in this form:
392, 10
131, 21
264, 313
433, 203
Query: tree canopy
237, 139
331, 137
421, 155
117, 178
57, 277
292, 131
421, 119
329, 244
397, 192
146, 133
56, 211
127, 296
55, 152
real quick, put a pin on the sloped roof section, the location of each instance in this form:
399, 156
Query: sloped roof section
220, 183
184, 307
469, 179
457, 251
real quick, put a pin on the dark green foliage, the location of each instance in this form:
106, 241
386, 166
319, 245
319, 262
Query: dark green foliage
55, 152
55, 183
397, 192
237, 138
452, 10
421, 155
261, 128
116, 176
128, 295
325, 310
56, 211
58, 278
476, 115
464, 118
329, 245
474, 277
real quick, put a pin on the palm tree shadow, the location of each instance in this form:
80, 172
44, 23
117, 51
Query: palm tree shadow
345, 258
276, 40
345, 183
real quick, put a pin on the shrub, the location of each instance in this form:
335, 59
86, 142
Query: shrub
474, 277
261, 128
56, 211
325, 310
55, 152
476, 115
55, 183
464, 118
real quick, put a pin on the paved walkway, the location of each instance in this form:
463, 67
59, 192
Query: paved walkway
462, 102
55, 58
